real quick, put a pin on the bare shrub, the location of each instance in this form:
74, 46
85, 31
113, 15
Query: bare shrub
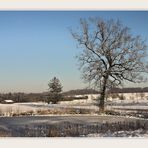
27, 113
114, 95
1, 112
4, 133
122, 97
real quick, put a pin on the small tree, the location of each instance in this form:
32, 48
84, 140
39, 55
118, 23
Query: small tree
110, 54
55, 89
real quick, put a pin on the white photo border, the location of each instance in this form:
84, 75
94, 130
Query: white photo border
44, 5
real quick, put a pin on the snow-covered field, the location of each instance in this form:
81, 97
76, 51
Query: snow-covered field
7, 109
126, 101
132, 107
89, 103
129, 96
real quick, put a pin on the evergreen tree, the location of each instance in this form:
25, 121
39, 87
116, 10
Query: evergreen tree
55, 89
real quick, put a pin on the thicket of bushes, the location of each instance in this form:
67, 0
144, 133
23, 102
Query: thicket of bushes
22, 97
35, 97
65, 98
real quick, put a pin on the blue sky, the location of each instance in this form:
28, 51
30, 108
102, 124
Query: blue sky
35, 46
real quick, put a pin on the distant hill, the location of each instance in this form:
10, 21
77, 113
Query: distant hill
80, 92
33, 97
129, 90
112, 90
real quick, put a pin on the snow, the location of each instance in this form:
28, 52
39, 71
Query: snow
135, 101
78, 102
91, 100
89, 103
8, 101
7, 109
132, 107
135, 133
90, 96
130, 96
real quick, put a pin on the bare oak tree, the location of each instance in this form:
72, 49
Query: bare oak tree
110, 55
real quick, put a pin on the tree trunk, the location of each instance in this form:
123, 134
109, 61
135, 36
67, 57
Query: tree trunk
102, 95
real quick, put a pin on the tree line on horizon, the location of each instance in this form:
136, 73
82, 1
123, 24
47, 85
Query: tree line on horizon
35, 97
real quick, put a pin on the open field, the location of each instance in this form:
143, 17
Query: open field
35, 107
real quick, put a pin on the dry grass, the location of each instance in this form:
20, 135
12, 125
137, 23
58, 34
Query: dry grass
59, 111
5, 134
65, 111
77, 130
27, 113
